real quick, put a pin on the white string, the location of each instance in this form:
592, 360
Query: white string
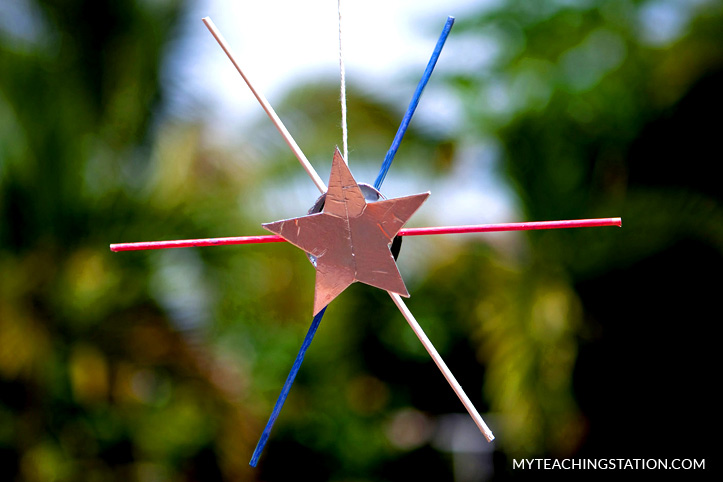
344, 130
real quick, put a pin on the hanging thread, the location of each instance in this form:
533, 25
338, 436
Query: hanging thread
344, 129
317, 319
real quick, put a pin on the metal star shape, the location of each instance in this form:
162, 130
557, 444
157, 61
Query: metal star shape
350, 238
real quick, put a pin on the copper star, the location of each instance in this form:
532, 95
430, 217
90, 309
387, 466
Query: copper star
350, 238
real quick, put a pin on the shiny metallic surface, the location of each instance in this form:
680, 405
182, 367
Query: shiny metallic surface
371, 194
350, 238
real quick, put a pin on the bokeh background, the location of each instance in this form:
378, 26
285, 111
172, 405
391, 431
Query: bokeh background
123, 121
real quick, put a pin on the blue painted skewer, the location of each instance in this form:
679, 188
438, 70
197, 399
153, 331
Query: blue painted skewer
287, 387
413, 104
377, 184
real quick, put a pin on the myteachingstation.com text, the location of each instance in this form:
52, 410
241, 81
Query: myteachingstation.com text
608, 464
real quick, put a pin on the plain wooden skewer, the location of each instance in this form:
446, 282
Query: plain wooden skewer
267, 108
442, 366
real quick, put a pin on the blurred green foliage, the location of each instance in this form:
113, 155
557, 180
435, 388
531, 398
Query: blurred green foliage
164, 365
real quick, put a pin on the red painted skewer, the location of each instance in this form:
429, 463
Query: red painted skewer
478, 228
489, 228
187, 243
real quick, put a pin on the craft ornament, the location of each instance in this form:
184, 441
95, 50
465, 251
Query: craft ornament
347, 235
